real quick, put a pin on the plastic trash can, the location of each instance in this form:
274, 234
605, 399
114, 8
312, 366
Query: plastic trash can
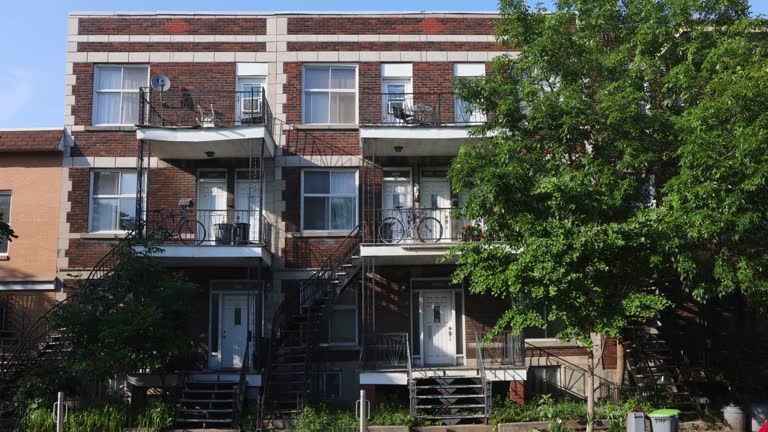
224, 233
635, 422
242, 233
664, 420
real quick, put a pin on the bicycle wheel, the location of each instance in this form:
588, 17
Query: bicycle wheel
391, 230
429, 230
191, 232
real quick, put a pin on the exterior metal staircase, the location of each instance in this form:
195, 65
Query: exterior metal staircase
42, 341
450, 399
296, 327
207, 405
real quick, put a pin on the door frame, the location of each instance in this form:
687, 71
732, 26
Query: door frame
416, 293
214, 358
210, 236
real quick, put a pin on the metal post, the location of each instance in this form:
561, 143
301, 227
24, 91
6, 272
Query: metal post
58, 408
363, 411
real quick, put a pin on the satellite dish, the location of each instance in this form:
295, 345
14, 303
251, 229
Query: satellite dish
160, 83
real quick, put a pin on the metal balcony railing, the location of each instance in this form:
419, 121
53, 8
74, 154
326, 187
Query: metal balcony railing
418, 109
420, 225
507, 349
386, 351
202, 227
183, 108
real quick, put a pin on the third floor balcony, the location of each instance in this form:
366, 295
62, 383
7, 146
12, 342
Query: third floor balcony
191, 124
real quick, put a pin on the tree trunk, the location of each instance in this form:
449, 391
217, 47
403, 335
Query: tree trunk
590, 390
620, 367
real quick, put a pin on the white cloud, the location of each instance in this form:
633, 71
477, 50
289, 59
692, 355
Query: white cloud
17, 87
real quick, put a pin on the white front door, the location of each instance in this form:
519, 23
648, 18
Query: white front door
211, 202
397, 193
234, 329
437, 314
436, 202
247, 204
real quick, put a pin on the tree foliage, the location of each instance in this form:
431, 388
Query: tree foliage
139, 317
6, 232
628, 145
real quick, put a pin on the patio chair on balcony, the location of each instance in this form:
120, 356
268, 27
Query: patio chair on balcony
399, 113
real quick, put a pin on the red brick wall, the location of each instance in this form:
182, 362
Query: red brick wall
171, 46
85, 253
517, 391
166, 186
104, 143
391, 25
435, 78
83, 93
78, 197
173, 26
392, 46
482, 312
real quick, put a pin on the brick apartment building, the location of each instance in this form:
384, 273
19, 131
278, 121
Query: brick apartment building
307, 154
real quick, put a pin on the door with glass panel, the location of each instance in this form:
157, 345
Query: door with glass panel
250, 97
247, 204
235, 318
396, 100
436, 202
212, 207
438, 332
397, 202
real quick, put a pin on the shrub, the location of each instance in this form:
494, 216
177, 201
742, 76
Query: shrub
321, 419
391, 414
157, 416
37, 417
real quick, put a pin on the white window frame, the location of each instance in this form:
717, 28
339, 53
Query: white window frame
243, 80
117, 196
8, 217
329, 91
329, 195
121, 91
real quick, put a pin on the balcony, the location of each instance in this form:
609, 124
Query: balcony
217, 237
416, 124
185, 124
415, 236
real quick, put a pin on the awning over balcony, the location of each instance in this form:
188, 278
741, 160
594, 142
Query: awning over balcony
407, 141
196, 143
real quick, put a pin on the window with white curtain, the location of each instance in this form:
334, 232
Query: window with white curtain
330, 94
329, 200
113, 200
5, 216
116, 94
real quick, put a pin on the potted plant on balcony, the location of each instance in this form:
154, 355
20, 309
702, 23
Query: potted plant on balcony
472, 233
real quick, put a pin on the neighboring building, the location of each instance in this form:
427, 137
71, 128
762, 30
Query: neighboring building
30, 199
309, 154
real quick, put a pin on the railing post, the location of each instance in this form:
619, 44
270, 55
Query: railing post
59, 413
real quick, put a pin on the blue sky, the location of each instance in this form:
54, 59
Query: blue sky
33, 52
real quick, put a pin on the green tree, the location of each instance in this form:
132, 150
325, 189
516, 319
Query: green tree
588, 129
138, 317
6, 232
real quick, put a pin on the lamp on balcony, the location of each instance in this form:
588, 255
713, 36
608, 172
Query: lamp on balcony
398, 149
210, 154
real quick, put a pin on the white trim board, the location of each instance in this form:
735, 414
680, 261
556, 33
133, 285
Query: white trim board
28, 286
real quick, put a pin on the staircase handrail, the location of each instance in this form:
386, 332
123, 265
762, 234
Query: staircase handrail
599, 381
43, 328
306, 299
481, 371
238, 401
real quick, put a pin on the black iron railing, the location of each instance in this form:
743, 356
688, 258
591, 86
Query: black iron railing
203, 227
505, 349
386, 351
181, 107
418, 109
420, 225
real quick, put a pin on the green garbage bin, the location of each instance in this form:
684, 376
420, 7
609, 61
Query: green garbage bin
664, 420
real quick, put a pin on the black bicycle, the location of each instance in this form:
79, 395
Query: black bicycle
172, 225
426, 228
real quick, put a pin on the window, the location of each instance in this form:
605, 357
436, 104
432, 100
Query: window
330, 95
329, 200
5, 216
116, 94
113, 200
250, 99
342, 328
330, 385
550, 330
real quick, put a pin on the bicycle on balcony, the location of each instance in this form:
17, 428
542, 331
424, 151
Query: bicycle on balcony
409, 224
172, 225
